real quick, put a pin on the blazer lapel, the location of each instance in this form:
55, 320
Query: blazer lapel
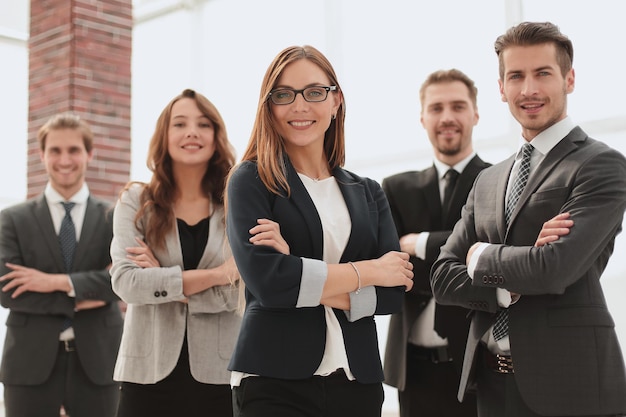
551, 160
215, 245
354, 196
41, 214
302, 200
503, 181
91, 223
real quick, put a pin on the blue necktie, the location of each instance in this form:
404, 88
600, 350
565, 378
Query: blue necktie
67, 237
501, 326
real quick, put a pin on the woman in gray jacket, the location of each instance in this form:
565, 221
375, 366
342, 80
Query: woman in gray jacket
173, 267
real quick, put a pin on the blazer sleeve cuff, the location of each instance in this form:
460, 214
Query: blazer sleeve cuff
314, 274
362, 304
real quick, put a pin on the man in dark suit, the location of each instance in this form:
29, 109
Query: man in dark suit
558, 353
425, 343
64, 324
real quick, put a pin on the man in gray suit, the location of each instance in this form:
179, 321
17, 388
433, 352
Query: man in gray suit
64, 325
542, 341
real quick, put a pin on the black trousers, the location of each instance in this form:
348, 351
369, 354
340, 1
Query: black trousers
68, 385
330, 396
179, 394
431, 388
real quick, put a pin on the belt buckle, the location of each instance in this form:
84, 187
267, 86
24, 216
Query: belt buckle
440, 355
504, 364
68, 345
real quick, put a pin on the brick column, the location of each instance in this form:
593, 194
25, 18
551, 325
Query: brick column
80, 57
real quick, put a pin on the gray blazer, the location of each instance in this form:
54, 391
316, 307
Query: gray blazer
156, 321
565, 350
27, 237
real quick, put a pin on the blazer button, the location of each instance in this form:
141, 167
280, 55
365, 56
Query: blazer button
485, 279
164, 293
157, 294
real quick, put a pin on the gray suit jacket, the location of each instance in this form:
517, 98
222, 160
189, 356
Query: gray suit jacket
563, 343
156, 322
27, 237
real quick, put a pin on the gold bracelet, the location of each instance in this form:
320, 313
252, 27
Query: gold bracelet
358, 276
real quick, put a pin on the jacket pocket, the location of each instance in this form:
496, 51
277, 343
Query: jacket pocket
580, 316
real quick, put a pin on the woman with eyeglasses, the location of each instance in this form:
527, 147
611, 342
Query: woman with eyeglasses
317, 250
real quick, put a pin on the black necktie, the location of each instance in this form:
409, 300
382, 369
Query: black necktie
67, 237
501, 326
450, 178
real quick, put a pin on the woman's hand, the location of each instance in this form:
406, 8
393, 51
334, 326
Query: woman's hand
267, 232
393, 269
142, 255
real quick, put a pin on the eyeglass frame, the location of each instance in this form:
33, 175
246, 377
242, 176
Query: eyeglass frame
327, 88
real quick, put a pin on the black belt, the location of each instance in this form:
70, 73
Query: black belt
502, 364
68, 345
435, 354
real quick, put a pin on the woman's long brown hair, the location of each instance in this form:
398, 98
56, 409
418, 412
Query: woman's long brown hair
157, 198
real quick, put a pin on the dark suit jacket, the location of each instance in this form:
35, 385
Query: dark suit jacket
564, 347
276, 338
415, 203
28, 238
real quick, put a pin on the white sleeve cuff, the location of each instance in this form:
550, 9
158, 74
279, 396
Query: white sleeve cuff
362, 304
504, 297
420, 245
314, 274
71, 292
474, 259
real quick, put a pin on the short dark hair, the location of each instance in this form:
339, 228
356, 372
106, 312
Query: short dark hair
536, 33
448, 76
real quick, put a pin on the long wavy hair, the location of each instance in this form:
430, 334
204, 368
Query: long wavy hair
266, 147
157, 198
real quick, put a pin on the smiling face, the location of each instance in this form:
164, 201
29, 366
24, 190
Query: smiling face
303, 123
65, 159
449, 116
191, 136
534, 87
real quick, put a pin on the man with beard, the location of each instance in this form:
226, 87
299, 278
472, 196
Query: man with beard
425, 343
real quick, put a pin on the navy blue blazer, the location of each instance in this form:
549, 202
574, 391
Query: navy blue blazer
277, 339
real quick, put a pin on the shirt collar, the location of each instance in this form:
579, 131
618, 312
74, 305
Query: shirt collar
458, 167
549, 138
53, 196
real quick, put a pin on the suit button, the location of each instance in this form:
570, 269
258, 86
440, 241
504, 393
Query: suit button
157, 294
485, 279
164, 293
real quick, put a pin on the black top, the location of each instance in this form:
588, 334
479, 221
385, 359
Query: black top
193, 240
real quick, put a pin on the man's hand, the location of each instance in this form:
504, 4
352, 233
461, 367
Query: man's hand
88, 304
553, 229
24, 279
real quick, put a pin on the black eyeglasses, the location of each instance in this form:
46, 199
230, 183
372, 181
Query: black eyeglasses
311, 94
